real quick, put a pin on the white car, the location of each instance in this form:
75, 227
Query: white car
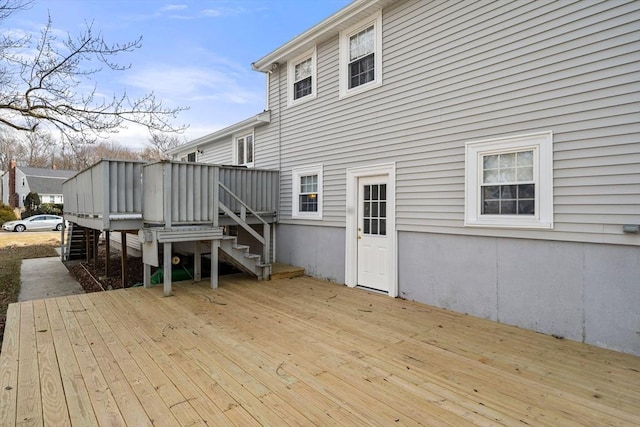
36, 222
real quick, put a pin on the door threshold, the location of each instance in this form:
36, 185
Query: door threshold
374, 290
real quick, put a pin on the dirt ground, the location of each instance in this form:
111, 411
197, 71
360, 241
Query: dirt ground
94, 277
28, 238
79, 272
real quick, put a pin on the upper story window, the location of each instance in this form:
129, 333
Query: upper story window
307, 192
189, 157
509, 182
301, 74
244, 150
361, 56
24, 181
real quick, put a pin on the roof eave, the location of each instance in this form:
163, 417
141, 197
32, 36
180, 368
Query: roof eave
257, 120
320, 32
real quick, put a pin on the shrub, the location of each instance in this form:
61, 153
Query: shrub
50, 208
6, 213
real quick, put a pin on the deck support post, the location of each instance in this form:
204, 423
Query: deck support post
197, 262
166, 265
87, 246
62, 231
146, 275
214, 263
107, 250
94, 246
123, 261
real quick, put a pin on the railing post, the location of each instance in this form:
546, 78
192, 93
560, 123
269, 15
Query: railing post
106, 200
216, 197
168, 195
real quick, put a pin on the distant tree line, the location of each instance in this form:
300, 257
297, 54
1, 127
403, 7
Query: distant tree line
40, 150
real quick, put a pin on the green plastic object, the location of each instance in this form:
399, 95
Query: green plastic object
177, 274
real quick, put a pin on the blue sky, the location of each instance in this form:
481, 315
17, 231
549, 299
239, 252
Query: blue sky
194, 53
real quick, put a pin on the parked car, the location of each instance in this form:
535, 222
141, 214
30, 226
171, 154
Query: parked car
36, 222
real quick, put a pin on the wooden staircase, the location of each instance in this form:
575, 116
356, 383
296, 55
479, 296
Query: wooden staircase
75, 244
239, 256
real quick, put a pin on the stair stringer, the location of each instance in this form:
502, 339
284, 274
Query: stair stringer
240, 256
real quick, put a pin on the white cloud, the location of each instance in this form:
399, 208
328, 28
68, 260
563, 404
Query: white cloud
172, 7
193, 83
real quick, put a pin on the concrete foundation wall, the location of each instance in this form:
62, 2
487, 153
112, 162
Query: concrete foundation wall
320, 250
581, 291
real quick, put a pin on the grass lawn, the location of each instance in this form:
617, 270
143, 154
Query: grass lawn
14, 247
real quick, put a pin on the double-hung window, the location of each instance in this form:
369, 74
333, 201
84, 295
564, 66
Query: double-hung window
509, 182
302, 77
244, 150
307, 192
361, 56
189, 157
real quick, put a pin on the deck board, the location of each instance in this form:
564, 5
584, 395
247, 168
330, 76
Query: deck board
295, 352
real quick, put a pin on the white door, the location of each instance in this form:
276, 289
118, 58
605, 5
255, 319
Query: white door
374, 244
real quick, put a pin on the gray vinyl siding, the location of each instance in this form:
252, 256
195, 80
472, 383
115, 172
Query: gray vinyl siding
455, 72
219, 153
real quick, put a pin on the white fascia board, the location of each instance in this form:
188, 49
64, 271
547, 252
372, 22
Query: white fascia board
255, 121
320, 32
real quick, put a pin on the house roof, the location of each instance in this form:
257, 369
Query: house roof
257, 120
45, 185
45, 173
330, 27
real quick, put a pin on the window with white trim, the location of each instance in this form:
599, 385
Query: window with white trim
189, 157
244, 150
361, 56
307, 192
509, 182
302, 79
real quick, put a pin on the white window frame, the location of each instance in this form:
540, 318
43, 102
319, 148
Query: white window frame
542, 146
186, 156
345, 35
296, 174
236, 159
291, 67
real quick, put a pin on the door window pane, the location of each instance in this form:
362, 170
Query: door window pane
374, 209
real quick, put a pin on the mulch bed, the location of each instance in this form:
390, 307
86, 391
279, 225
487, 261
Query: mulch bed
93, 278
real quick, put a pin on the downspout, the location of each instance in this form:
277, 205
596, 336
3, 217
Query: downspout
274, 67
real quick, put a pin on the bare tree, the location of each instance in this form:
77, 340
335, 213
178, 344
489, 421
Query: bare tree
11, 148
158, 145
45, 88
40, 149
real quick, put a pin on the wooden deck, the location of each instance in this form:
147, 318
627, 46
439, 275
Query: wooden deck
295, 352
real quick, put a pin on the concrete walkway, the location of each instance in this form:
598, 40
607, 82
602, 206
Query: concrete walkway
46, 278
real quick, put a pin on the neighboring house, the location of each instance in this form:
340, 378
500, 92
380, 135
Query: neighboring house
478, 156
19, 181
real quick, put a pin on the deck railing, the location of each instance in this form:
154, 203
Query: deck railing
129, 195
106, 196
178, 194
